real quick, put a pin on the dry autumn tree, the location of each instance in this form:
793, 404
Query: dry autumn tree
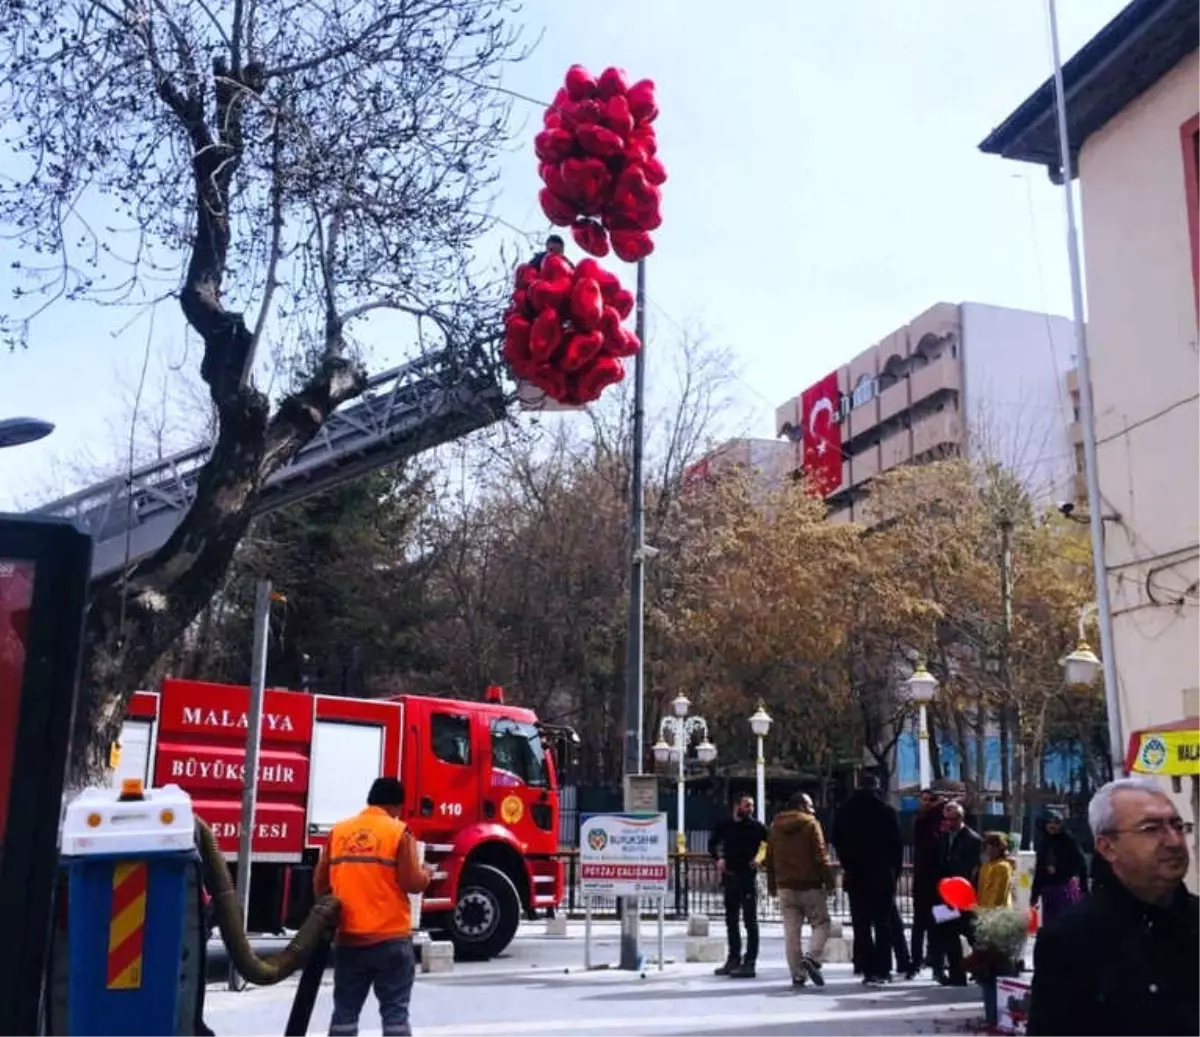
281, 168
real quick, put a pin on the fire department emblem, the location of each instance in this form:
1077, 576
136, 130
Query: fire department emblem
597, 839
512, 810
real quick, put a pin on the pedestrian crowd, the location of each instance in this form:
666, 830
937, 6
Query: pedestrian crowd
1118, 948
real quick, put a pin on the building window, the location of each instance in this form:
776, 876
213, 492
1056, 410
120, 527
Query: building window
1189, 135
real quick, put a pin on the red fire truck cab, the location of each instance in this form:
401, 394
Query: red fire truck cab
479, 778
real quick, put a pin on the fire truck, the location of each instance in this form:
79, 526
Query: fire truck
479, 777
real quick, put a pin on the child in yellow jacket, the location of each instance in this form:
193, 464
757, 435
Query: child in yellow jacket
994, 888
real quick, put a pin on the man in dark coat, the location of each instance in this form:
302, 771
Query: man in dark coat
870, 849
1125, 960
739, 846
959, 852
927, 835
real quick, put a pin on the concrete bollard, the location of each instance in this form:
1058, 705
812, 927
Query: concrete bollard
704, 948
556, 926
437, 956
697, 925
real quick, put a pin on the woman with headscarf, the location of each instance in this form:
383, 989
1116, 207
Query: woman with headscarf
1060, 871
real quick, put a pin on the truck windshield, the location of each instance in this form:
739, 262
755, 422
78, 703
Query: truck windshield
518, 757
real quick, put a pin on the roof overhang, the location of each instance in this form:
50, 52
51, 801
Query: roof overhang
1123, 60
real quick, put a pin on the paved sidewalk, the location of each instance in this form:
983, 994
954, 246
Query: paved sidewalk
540, 988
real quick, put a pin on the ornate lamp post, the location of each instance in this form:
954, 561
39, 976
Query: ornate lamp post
760, 724
921, 687
675, 734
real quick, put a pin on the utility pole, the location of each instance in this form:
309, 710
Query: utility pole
1007, 712
258, 684
634, 651
1087, 419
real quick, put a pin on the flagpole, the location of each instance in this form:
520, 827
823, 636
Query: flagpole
1087, 420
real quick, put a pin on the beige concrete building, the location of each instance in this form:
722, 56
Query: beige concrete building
964, 378
1134, 127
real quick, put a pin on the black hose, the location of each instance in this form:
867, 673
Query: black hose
308, 988
316, 931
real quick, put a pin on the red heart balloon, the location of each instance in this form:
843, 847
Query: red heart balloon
617, 116
587, 180
526, 275
612, 81
587, 304
632, 246
556, 266
642, 101
656, 172
552, 177
546, 294
958, 893
622, 302
553, 145
580, 84
551, 119
575, 114
545, 336
558, 211
598, 141
629, 345
598, 376
580, 350
590, 237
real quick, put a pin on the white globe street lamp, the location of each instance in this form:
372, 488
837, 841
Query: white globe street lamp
1082, 666
921, 688
675, 734
760, 725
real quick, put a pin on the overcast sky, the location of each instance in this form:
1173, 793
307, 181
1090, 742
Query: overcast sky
825, 188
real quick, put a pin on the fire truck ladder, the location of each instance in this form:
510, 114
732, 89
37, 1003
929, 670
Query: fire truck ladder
420, 405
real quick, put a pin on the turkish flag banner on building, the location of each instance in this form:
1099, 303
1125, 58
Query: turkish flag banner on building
822, 435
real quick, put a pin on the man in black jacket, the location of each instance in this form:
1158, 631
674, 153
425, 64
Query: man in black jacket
870, 849
739, 846
927, 834
958, 856
1126, 960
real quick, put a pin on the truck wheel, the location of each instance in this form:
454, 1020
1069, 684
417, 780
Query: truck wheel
486, 913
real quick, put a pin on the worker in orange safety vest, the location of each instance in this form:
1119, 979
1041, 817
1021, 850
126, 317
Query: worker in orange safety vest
370, 863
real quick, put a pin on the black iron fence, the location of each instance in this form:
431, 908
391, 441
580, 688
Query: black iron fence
693, 889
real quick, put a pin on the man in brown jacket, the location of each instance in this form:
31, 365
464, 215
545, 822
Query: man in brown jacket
798, 869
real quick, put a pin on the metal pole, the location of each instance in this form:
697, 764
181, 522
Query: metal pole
258, 681
680, 794
924, 763
1087, 417
1006, 704
634, 662
760, 774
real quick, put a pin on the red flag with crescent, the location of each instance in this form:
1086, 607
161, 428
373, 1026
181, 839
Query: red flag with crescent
822, 435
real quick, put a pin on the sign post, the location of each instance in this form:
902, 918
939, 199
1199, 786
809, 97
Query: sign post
623, 855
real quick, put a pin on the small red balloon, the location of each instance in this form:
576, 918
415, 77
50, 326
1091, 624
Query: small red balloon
958, 893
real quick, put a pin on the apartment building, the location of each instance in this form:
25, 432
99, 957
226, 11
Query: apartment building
1133, 123
964, 378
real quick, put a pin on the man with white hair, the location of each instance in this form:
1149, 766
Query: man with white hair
1126, 960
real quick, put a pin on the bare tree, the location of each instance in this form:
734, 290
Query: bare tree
281, 164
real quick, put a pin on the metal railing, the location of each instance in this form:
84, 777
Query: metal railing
693, 889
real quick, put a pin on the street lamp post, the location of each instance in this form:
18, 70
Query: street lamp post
760, 724
922, 686
1082, 667
675, 734
18, 431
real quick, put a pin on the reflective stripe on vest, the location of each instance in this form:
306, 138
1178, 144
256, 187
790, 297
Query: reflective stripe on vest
364, 853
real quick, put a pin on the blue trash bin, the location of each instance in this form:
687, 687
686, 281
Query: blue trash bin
126, 854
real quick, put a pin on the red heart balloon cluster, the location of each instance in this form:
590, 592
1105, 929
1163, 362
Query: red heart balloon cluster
598, 159
563, 330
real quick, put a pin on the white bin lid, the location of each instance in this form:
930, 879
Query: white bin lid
99, 821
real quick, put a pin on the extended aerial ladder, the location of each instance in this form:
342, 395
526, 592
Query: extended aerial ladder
411, 408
